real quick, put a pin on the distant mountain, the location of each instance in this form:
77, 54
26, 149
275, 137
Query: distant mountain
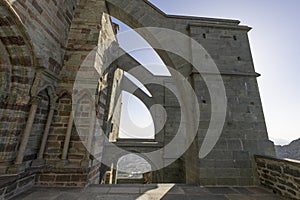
280, 141
291, 151
132, 166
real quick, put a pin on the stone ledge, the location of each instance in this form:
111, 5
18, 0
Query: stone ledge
221, 26
286, 160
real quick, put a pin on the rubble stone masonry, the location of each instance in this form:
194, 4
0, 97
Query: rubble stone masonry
281, 176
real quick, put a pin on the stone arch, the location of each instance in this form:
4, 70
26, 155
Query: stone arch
51, 92
91, 28
79, 48
148, 16
62, 93
5, 73
47, 24
19, 50
83, 93
57, 134
46, 100
83, 128
17, 73
126, 113
156, 175
140, 167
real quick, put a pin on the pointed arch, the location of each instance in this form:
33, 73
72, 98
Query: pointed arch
18, 65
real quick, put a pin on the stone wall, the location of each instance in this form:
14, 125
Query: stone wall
47, 23
115, 107
44, 44
58, 130
40, 120
90, 39
17, 73
73, 177
244, 133
281, 176
33, 35
13, 185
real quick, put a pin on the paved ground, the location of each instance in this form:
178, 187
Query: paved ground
149, 192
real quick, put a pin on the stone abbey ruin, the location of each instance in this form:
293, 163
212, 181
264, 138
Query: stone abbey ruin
57, 127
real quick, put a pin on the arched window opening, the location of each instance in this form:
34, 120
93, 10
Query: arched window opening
136, 121
132, 169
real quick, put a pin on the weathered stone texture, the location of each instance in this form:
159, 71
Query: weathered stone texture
13, 185
16, 62
56, 137
43, 45
39, 124
73, 177
281, 176
47, 23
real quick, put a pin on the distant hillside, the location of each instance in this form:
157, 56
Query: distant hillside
291, 151
132, 166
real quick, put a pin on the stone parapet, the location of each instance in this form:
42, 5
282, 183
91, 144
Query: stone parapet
281, 176
12, 185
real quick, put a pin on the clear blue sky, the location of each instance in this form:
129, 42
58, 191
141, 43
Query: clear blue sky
275, 44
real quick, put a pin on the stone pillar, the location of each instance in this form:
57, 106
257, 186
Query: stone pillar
114, 170
40, 160
86, 161
18, 167
67, 140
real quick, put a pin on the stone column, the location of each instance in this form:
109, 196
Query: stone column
114, 170
40, 160
19, 160
86, 161
67, 140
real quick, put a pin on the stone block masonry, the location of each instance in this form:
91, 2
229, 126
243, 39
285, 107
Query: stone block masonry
43, 44
281, 176
13, 185
71, 177
48, 23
